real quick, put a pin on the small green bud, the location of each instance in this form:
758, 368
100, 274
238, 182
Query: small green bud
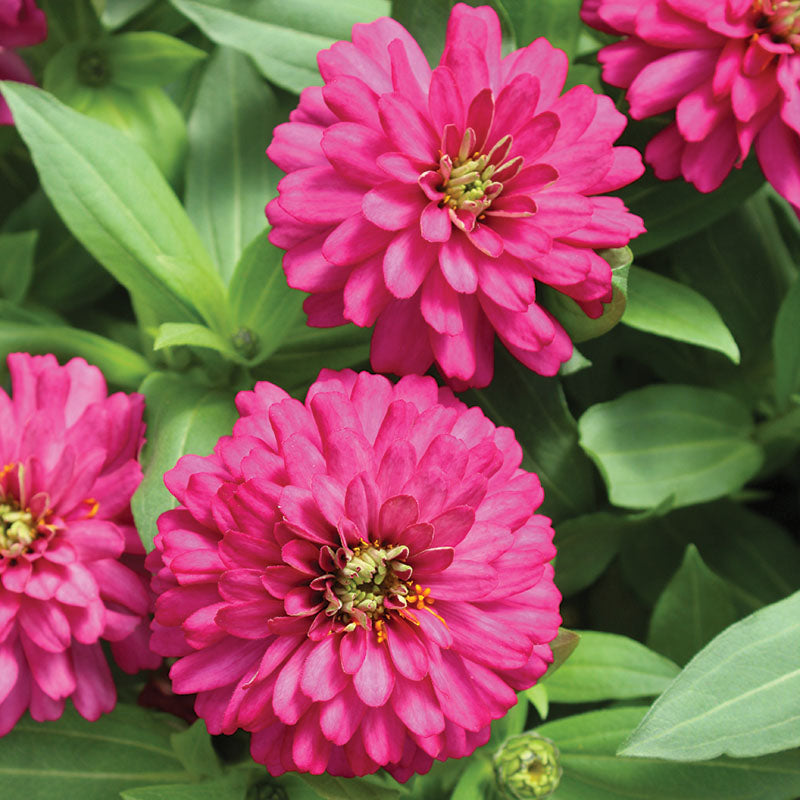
94, 67
526, 767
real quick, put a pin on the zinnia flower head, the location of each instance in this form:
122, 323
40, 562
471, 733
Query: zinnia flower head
359, 580
22, 24
729, 68
71, 563
429, 203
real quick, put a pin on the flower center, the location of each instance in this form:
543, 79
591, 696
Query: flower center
470, 180
779, 19
370, 581
18, 529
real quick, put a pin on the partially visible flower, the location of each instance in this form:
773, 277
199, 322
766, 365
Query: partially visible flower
360, 581
71, 563
430, 203
730, 69
22, 24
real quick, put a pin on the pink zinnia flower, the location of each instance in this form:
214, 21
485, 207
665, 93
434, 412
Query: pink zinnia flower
71, 563
729, 68
22, 24
360, 580
429, 203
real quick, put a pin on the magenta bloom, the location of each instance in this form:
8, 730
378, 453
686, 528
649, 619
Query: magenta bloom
360, 580
428, 203
71, 563
22, 24
729, 68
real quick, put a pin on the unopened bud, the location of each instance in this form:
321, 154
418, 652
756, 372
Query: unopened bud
527, 768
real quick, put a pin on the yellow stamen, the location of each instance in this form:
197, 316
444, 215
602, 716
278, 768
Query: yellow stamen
380, 630
93, 507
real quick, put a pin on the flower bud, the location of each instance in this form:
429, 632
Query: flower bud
526, 767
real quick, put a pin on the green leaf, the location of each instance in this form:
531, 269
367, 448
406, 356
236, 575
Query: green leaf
16, 264
476, 781
695, 606
122, 366
193, 747
667, 308
537, 411
182, 417
282, 38
539, 699
370, 787
785, 349
117, 12
232, 786
261, 301
115, 201
426, 21
171, 334
592, 772
140, 60
586, 545
308, 350
674, 210
747, 549
662, 441
563, 646
606, 666
72, 757
740, 695
557, 20
228, 177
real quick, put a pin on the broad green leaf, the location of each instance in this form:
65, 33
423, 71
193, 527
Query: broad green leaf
171, 334
556, 20
370, 787
118, 205
117, 12
674, 210
282, 38
16, 264
740, 695
476, 781
662, 441
229, 179
139, 60
232, 786
122, 366
692, 610
308, 350
537, 411
586, 545
182, 417
667, 308
262, 304
786, 349
193, 747
606, 666
74, 758
592, 772
750, 550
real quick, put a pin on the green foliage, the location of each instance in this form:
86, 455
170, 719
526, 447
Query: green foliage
605, 666
73, 757
228, 178
786, 350
678, 442
16, 264
182, 417
738, 696
282, 38
667, 308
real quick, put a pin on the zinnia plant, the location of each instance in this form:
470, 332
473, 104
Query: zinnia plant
22, 24
729, 69
71, 562
429, 203
361, 580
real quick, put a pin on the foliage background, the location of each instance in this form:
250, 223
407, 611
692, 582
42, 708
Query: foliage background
132, 234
